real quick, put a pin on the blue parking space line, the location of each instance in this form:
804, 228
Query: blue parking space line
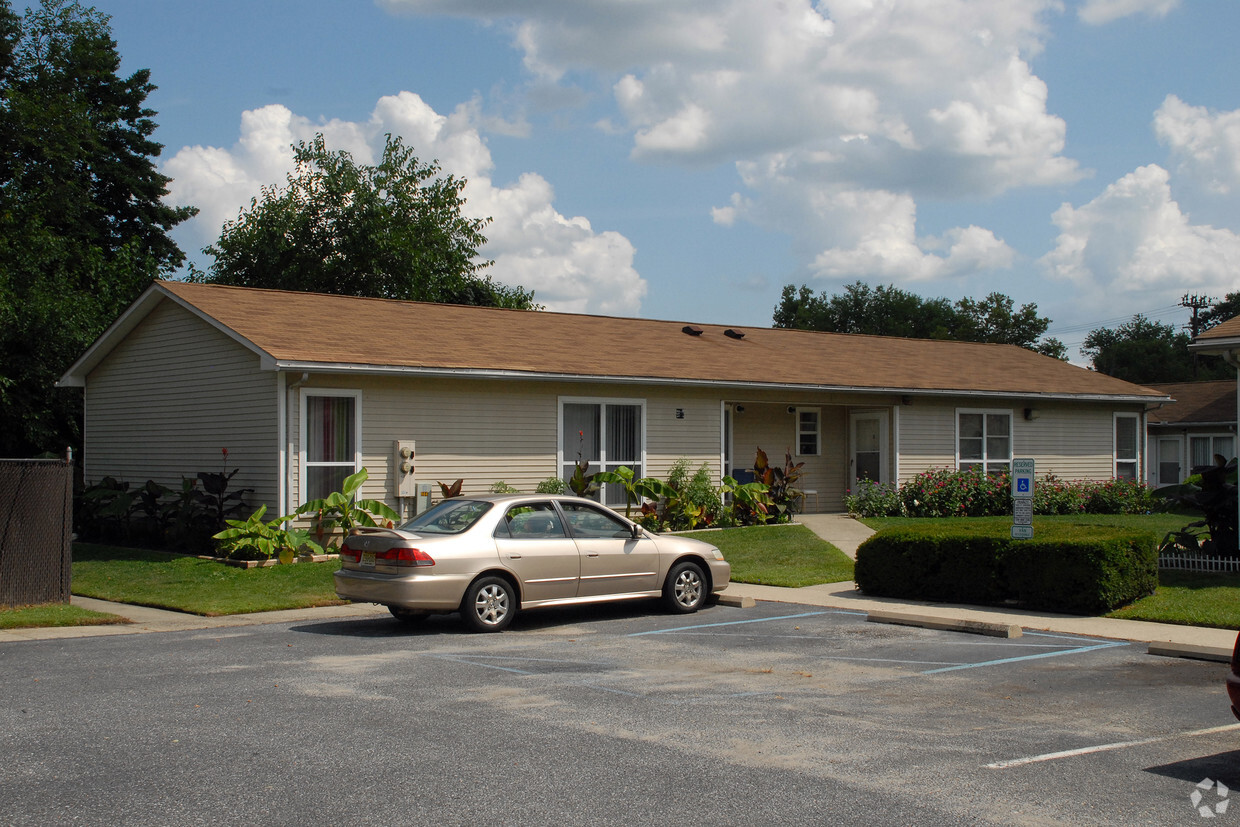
1038, 656
733, 623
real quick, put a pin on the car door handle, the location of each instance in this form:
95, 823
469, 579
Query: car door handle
592, 554
514, 556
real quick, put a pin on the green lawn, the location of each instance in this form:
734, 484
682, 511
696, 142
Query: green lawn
784, 555
201, 587
788, 555
54, 614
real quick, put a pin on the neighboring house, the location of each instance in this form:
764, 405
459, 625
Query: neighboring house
1222, 340
1191, 431
302, 389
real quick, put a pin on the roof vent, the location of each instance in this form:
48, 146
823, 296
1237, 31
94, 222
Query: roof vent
734, 334
692, 330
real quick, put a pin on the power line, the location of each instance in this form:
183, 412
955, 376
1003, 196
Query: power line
1153, 315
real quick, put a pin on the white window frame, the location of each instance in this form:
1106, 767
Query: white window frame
986, 461
303, 430
1188, 447
565, 455
817, 412
1135, 460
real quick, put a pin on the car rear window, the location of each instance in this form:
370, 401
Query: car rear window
448, 517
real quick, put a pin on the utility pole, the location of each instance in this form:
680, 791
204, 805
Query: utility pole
1196, 304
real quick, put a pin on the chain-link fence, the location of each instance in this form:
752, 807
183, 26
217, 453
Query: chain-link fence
36, 529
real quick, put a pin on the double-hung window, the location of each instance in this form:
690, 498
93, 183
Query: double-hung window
606, 433
1126, 447
984, 441
330, 440
809, 440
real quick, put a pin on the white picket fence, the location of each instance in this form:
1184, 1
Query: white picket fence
1194, 562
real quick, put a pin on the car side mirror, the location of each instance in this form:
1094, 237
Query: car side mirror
638, 532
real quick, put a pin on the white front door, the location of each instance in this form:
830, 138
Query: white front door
869, 436
1170, 453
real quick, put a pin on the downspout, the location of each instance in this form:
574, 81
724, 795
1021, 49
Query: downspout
286, 453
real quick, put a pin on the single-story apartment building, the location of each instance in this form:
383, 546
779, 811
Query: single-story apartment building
1191, 431
303, 389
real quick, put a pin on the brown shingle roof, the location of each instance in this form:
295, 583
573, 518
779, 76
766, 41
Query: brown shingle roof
298, 328
1229, 329
1197, 402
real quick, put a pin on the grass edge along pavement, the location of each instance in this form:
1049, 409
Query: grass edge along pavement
198, 586
785, 555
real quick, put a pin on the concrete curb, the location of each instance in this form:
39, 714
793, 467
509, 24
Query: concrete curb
976, 627
1195, 651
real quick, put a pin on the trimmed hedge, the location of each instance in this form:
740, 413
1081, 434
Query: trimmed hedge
1065, 568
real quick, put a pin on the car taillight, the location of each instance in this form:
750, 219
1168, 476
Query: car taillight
350, 554
404, 556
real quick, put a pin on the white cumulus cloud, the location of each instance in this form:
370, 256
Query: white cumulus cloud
564, 260
1098, 12
1204, 144
1133, 244
816, 101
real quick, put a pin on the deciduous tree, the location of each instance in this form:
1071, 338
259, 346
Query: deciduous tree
1144, 351
83, 225
890, 311
392, 230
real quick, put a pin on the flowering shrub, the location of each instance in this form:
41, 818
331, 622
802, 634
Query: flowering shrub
1118, 497
945, 492
873, 499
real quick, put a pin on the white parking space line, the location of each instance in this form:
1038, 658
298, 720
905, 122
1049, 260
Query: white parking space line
1038, 656
1072, 753
733, 623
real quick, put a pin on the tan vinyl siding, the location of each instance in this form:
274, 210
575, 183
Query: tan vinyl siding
172, 395
1069, 441
487, 431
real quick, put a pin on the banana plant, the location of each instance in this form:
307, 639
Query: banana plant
342, 509
635, 490
254, 539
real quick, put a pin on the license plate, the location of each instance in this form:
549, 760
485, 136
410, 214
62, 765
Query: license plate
368, 559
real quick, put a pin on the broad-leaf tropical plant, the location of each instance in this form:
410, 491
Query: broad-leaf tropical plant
254, 539
342, 509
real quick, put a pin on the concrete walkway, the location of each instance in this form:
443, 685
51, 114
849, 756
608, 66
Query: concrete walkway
839, 529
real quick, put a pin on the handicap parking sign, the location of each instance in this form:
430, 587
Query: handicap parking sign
1022, 478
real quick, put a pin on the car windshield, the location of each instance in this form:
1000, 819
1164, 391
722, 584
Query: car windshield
448, 517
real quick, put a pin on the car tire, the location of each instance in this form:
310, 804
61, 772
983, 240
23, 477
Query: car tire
408, 616
489, 605
685, 589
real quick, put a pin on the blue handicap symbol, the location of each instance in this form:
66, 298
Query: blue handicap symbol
1022, 485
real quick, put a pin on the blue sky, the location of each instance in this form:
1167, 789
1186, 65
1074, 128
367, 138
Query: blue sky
685, 160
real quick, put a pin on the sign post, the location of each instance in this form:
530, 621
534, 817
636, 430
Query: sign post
1022, 499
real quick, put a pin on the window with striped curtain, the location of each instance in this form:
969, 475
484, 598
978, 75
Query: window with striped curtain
331, 443
607, 435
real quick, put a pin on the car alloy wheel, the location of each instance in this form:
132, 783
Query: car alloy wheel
685, 589
489, 605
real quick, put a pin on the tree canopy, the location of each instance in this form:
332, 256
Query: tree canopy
83, 227
1144, 352
1220, 311
890, 311
392, 230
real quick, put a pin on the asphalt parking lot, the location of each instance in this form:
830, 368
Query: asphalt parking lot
619, 714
